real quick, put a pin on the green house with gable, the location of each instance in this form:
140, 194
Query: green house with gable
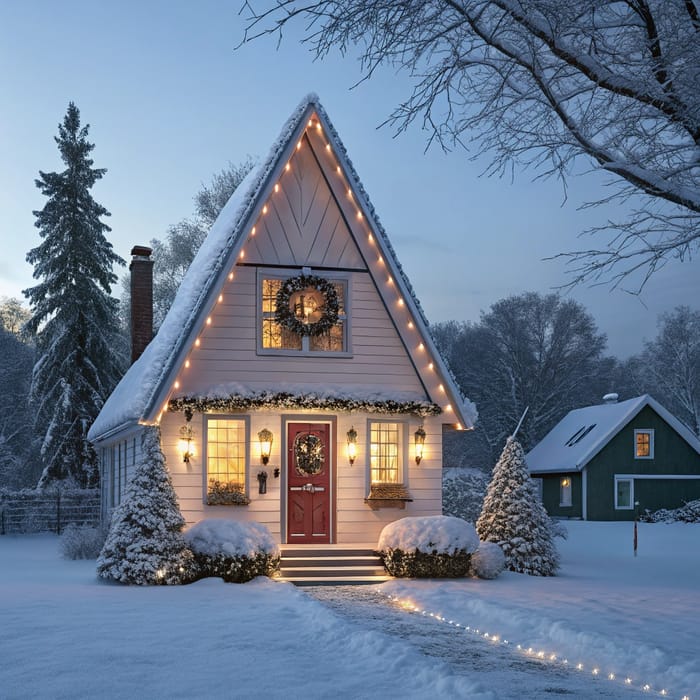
610, 461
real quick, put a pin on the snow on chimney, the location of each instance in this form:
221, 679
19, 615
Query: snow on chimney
610, 398
141, 269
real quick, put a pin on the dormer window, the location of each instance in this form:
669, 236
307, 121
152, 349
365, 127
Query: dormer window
302, 313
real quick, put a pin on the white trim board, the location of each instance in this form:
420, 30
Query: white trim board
657, 476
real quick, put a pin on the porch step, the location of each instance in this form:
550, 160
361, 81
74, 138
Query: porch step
318, 565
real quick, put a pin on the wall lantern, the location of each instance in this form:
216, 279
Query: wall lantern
265, 437
352, 445
186, 436
419, 443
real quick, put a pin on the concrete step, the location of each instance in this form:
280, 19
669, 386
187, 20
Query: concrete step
331, 571
344, 581
315, 565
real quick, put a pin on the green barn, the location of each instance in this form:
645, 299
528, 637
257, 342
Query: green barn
610, 461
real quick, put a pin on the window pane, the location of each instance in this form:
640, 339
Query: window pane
624, 499
643, 444
331, 341
385, 453
565, 491
270, 287
226, 451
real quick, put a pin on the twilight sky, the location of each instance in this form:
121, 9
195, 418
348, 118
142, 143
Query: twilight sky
170, 102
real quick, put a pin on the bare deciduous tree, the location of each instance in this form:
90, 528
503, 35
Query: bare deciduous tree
541, 83
673, 358
531, 350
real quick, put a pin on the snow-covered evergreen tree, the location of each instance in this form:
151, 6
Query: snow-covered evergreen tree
75, 319
145, 545
514, 518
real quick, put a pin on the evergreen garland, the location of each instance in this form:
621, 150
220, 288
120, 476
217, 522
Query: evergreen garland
277, 400
285, 316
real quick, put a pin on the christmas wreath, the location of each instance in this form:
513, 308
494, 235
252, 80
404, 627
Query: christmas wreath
287, 318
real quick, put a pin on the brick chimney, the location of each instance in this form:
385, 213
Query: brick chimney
141, 269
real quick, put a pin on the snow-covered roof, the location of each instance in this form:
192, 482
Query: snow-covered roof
144, 389
583, 432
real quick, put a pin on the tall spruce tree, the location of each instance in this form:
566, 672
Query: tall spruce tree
514, 518
73, 315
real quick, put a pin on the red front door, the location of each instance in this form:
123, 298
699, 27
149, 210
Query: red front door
308, 483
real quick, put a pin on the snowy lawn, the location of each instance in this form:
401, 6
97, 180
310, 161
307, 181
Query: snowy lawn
636, 618
64, 634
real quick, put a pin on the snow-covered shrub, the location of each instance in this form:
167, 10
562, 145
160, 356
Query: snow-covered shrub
82, 541
488, 561
514, 518
234, 551
687, 513
463, 492
145, 543
436, 546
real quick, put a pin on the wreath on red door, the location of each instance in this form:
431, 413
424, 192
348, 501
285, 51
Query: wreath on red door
286, 317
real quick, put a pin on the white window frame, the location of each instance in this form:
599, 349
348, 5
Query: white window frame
645, 431
205, 449
565, 492
337, 277
402, 451
630, 481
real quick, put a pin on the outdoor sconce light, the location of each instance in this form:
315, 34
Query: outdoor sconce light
419, 443
352, 445
185, 444
265, 437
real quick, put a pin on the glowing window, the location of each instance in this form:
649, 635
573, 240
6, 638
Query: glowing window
644, 444
226, 457
273, 336
565, 491
385, 453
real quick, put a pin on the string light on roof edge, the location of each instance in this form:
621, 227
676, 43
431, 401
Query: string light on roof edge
551, 658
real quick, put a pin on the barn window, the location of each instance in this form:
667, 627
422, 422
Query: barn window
624, 494
226, 460
273, 336
565, 491
644, 444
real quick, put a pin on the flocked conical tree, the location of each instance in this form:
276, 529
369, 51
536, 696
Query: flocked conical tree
75, 319
514, 518
145, 545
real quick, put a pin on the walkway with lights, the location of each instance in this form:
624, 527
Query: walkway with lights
503, 669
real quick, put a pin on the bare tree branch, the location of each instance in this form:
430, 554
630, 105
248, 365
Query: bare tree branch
542, 83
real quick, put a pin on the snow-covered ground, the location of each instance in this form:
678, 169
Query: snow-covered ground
64, 634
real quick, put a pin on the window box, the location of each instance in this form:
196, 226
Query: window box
226, 494
388, 496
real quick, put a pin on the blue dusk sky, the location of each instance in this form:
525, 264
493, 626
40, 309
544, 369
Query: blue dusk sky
170, 102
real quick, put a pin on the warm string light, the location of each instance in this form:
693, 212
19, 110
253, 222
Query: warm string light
550, 657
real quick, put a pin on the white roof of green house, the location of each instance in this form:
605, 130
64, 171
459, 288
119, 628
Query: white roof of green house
584, 432
147, 387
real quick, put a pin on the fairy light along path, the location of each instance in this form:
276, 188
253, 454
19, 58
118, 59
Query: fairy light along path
498, 668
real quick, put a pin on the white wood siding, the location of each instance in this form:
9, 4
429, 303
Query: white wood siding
228, 348
356, 522
303, 225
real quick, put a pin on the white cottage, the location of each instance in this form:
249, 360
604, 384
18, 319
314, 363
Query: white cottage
294, 380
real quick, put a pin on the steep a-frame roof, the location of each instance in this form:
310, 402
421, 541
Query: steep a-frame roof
584, 432
147, 387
